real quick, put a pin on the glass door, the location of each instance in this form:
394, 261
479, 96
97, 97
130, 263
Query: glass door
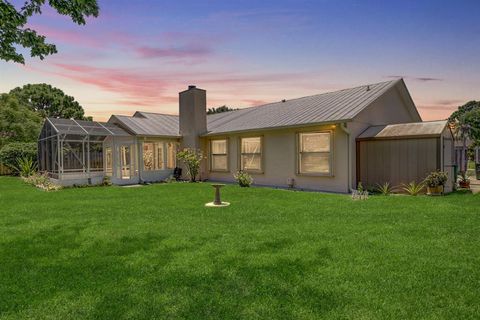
125, 162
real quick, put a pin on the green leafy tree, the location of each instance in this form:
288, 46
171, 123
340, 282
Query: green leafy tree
17, 122
472, 120
466, 124
49, 101
220, 110
467, 107
192, 159
13, 32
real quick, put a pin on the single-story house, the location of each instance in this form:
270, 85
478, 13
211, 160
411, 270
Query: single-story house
326, 142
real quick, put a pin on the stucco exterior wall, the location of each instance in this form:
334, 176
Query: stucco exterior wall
280, 160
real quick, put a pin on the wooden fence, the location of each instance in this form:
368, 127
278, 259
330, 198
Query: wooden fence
4, 170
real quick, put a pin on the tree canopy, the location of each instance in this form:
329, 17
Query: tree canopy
467, 121
13, 32
220, 110
17, 122
48, 101
469, 106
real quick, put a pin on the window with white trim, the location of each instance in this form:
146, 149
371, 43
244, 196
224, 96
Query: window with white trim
219, 155
108, 161
153, 156
171, 155
251, 154
315, 156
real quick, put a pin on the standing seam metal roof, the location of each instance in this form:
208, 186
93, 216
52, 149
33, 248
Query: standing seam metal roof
329, 107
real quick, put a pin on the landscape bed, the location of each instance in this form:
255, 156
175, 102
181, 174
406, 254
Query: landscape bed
157, 252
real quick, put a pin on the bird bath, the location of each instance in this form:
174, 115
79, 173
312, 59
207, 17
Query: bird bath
217, 202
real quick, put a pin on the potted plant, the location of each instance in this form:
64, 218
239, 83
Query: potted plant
463, 180
435, 182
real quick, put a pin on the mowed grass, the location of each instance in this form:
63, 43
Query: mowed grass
156, 252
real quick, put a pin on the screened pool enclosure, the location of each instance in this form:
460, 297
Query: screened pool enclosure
75, 149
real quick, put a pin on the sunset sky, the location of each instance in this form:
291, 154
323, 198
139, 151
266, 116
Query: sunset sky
137, 55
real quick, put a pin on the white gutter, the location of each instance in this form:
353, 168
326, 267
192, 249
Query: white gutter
343, 126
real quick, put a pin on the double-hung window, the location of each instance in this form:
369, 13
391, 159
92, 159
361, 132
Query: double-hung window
219, 155
251, 154
315, 156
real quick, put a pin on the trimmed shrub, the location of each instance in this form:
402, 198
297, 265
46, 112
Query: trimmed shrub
243, 179
12, 152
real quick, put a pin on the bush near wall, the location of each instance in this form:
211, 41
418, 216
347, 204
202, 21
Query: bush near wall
11, 152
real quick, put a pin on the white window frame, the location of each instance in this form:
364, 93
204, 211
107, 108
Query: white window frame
156, 156
261, 153
226, 154
329, 153
175, 150
109, 170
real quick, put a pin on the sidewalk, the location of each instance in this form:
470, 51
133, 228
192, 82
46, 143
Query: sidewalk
474, 185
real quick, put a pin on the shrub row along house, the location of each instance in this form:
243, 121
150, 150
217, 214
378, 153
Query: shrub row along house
327, 142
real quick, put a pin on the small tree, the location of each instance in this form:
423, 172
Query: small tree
192, 159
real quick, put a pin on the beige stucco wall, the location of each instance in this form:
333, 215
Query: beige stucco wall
280, 160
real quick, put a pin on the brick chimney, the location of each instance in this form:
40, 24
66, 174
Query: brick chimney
192, 116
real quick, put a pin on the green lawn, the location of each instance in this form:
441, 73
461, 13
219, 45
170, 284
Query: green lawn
156, 252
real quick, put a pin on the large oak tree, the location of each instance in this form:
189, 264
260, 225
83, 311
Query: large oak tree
48, 101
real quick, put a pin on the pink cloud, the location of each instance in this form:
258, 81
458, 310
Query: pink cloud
141, 88
68, 36
187, 51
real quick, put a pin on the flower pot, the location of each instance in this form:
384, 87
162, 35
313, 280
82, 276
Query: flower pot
464, 184
435, 191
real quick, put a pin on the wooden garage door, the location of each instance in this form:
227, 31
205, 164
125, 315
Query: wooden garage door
396, 161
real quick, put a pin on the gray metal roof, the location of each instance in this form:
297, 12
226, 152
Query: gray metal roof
151, 124
338, 106
81, 127
415, 129
330, 107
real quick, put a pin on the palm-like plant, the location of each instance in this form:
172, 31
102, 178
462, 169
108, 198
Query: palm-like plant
413, 188
26, 167
384, 189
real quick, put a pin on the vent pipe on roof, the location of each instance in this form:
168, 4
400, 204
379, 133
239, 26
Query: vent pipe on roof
284, 100
190, 87
368, 88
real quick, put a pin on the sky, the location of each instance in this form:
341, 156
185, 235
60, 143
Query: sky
137, 55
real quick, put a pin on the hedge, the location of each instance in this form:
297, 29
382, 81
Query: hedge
11, 152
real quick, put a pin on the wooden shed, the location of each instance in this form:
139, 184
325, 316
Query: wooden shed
401, 153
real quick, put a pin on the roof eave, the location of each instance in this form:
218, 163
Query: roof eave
303, 125
417, 136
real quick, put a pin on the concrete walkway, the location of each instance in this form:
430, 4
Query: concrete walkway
474, 185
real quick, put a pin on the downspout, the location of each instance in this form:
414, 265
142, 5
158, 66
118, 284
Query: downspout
343, 126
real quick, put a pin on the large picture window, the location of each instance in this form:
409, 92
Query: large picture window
251, 154
219, 155
315, 153
153, 156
